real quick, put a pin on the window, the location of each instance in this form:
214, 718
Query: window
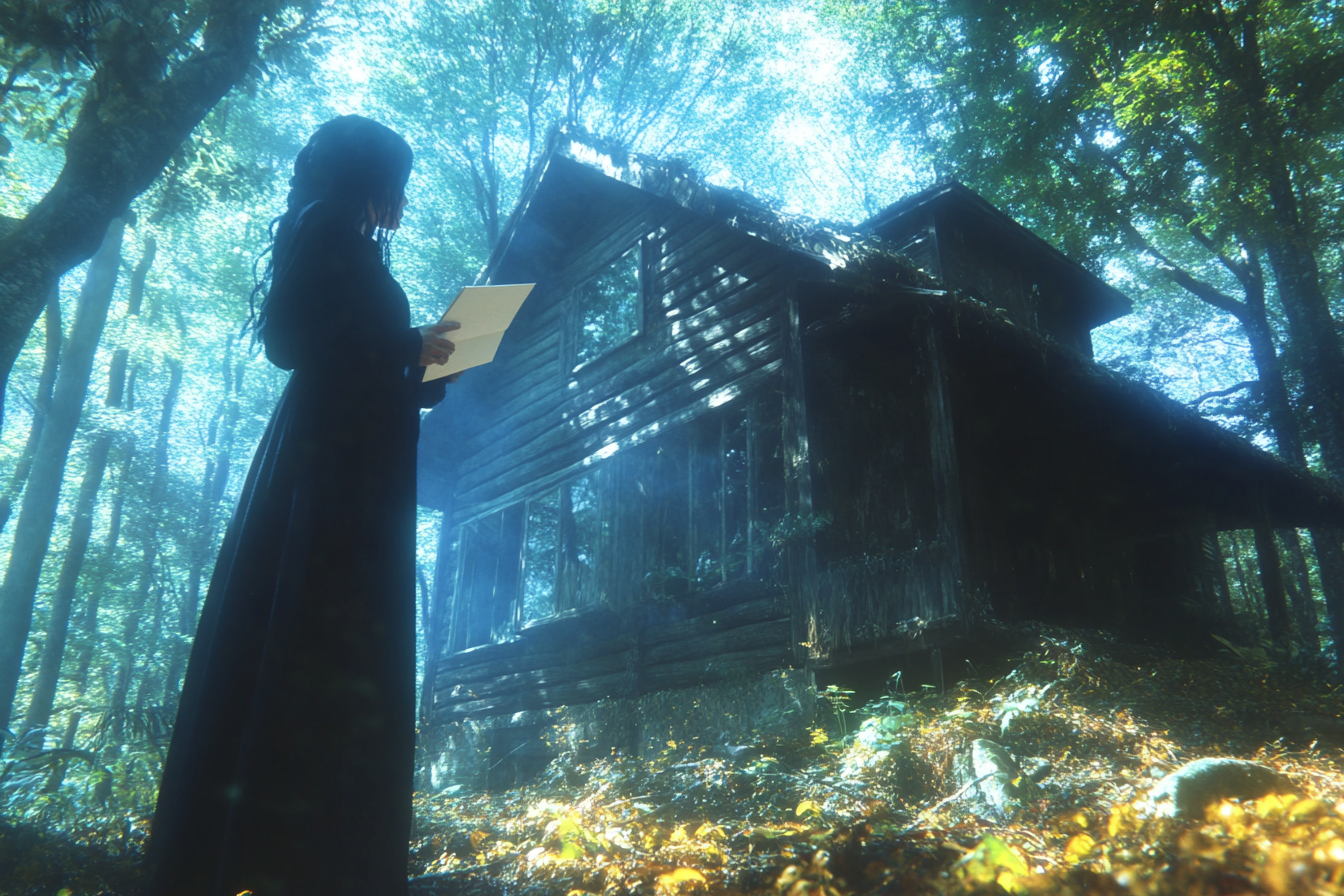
560, 550
487, 579
692, 509
541, 547
609, 307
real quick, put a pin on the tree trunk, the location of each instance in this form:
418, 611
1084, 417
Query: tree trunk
1300, 593
150, 647
1213, 553
149, 557
1311, 326
58, 626
41, 406
216, 480
132, 119
88, 624
1271, 580
1244, 585
136, 294
37, 515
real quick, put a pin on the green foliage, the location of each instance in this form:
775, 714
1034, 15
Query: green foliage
1147, 141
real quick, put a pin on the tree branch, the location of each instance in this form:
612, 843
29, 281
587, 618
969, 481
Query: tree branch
130, 123
1249, 384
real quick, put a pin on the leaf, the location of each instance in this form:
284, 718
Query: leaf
768, 833
708, 831
674, 881
807, 807
993, 861
1079, 848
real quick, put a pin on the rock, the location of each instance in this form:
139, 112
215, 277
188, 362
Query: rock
1006, 785
1037, 769
1187, 791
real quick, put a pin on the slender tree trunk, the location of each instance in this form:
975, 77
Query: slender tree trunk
1213, 552
151, 646
88, 624
1300, 595
186, 624
215, 481
1271, 580
58, 626
136, 294
1314, 334
37, 516
41, 406
149, 558
1248, 598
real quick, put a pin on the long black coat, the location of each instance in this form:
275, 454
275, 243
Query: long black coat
290, 765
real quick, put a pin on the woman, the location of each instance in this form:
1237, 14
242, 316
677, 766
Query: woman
290, 765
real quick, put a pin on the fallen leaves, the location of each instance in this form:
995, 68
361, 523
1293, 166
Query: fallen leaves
868, 813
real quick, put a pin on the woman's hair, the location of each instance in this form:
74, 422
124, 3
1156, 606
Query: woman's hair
352, 164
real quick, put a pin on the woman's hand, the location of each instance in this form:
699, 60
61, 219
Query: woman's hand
434, 349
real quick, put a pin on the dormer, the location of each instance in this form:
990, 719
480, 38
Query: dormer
976, 250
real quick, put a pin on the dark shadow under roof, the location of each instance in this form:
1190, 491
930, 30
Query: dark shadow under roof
1048, 422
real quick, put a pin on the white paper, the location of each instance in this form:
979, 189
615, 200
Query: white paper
484, 313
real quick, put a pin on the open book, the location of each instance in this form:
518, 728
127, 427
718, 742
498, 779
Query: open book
484, 312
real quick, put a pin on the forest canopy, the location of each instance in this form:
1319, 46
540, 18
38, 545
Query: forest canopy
1189, 153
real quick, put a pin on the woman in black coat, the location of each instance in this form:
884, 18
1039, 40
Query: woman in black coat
290, 766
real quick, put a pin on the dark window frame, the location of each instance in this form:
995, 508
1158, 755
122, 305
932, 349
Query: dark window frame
573, 362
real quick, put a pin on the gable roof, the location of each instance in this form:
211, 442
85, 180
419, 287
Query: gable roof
581, 179
1101, 302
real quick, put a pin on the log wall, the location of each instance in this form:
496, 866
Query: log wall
647, 476
593, 654
887, 500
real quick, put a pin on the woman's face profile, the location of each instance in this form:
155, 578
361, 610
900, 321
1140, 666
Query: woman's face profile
387, 218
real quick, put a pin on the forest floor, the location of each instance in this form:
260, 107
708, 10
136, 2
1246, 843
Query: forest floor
861, 806
874, 800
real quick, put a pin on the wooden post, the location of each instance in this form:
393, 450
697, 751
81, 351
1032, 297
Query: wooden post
946, 473
800, 555
440, 605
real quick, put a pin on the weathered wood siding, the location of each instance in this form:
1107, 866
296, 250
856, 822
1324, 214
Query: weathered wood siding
1063, 521
711, 333
588, 656
666, 454
886, 489
980, 259
989, 266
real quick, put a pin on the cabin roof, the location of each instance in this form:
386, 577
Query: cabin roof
1101, 302
582, 181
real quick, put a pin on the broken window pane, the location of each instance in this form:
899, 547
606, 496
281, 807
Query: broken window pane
579, 531
540, 550
609, 307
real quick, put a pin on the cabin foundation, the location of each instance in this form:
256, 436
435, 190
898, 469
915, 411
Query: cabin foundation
499, 752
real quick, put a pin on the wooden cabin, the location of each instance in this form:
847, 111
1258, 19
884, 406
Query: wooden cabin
720, 442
